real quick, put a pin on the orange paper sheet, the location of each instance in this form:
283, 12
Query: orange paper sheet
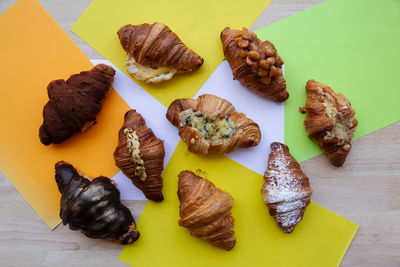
34, 50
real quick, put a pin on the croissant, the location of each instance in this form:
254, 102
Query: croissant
93, 207
286, 189
155, 53
329, 121
74, 104
211, 124
140, 155
255, 64
205, 210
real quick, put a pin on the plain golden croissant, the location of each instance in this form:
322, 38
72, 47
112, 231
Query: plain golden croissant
255, 64
155, 53
286, 190
205, 210
329, 121
140, 155
74, 104
93, 206
211, 124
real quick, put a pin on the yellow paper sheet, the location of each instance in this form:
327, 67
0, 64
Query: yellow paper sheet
320, 239
34, 50
197, 23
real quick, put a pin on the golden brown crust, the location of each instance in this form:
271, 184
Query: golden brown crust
286, 189
156, 45
152, 153
205, 210
247, 131
327, 113
254, 64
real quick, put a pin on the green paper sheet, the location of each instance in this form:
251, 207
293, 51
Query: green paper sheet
197, 23
352, 46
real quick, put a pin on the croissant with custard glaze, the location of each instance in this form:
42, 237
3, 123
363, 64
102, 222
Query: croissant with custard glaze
155, 53
211, 124
93, 206
205, 210
286, 189
74, 104
255, 64
329, 121
140, 155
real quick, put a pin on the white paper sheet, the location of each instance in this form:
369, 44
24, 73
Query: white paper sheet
269, 116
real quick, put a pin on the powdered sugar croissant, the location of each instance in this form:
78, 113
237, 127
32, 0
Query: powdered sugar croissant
255, 64
329, 121
286, 190
155, 53
205, 210
140, 155
211, 124
74, 104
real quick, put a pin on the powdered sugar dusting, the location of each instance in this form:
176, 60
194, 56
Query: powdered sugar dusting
283, 190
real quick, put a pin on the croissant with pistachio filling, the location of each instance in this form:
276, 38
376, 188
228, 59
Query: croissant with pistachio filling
74, 104
255, 64
329, 121
140, 155
93, 206
155, 53
205, 210
211, 124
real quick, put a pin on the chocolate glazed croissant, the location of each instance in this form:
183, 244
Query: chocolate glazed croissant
286, 190
211, 124
93, 207
205, 210
74, 104
255, 64
155, 53
329, 121
140, 155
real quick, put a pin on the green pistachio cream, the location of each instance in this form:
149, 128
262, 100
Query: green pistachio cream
133, 146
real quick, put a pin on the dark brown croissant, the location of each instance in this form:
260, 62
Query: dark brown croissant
140, 155
93, 207
329, 121
74, 104
155, 53
211, 124
255, 64
286, 190
205, 210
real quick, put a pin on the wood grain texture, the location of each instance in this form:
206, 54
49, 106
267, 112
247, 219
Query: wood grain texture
365, 190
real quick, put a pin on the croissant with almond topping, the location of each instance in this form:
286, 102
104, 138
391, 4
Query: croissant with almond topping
74, 104
286, 189
329, 121
205, 210
93, 206
211, 124
255, 64
155, 53
140, 155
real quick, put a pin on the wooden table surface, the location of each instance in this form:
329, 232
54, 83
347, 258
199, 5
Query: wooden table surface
365, 191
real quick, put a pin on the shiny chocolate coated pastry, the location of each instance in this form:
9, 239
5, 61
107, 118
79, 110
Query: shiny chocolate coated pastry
93, 207
155, 53
74, 104
255, 64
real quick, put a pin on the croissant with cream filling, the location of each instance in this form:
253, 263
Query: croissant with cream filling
155, 53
